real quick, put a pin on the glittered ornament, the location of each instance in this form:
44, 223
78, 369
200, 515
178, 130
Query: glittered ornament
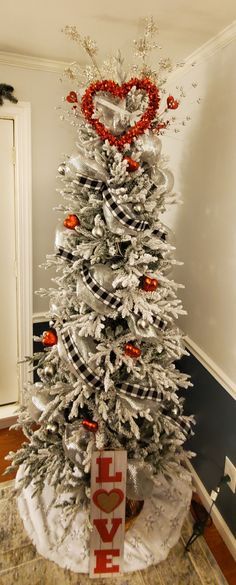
132, 351
71, 222
49, 338
121, 91
148, 284
172, 104
90, 425
71, 98
132, 165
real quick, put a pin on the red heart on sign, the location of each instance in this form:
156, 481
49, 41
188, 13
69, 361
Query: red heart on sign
108, 501
121, 91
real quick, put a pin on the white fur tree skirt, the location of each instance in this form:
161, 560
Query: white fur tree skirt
147, 542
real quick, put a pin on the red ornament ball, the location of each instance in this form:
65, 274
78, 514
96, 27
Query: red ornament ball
132, 351
172, 104
72, 97
49, 338
71, 222
132, 165
90, 425
149, 284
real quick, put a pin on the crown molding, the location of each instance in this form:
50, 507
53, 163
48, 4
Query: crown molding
208, 49
219, 41
33, 63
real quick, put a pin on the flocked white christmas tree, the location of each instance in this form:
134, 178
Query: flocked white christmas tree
108, 373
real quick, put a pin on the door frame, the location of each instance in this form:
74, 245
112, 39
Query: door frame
20, 113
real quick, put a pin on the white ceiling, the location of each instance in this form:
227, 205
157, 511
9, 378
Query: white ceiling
34, 28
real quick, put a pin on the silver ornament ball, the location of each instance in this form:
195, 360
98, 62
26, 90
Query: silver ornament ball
97, 231
175, 411
142, 323
49, 371
62, 169
52, 427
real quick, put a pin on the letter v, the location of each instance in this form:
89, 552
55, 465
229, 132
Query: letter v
101, 525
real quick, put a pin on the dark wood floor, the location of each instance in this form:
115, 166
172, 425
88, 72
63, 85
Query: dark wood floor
11, 440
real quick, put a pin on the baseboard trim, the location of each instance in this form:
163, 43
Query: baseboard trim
7, 415
211, 366
218, 520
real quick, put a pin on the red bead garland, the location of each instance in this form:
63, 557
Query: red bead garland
49, 338
132, 351
148, 284
132, 165
71, 222
90, 425
172, 104
121, 91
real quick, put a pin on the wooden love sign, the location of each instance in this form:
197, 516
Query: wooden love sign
108, 495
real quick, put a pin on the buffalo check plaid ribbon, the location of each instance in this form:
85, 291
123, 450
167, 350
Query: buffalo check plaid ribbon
139, 392
95, 382
98, 291
160, 323
90, 183
116, 209
119, 213
63, 253
183, 424
84, 371
160, 233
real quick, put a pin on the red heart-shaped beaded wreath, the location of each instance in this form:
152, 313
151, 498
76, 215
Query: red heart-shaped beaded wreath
121, 91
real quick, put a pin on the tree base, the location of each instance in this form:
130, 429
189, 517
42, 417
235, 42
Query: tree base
149, 540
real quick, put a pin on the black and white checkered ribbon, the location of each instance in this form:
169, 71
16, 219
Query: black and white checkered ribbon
62, 253
160, 233
90, 183
84, 371
122, 216
117, 209
160, 323
97, 383
183, 424
139, 392
109, 299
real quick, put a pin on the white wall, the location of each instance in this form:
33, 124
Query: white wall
203, 158
50, 139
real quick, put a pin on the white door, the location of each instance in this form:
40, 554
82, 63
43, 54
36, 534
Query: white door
8, 282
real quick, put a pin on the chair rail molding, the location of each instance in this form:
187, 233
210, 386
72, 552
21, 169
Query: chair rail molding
20, 113
211, 366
